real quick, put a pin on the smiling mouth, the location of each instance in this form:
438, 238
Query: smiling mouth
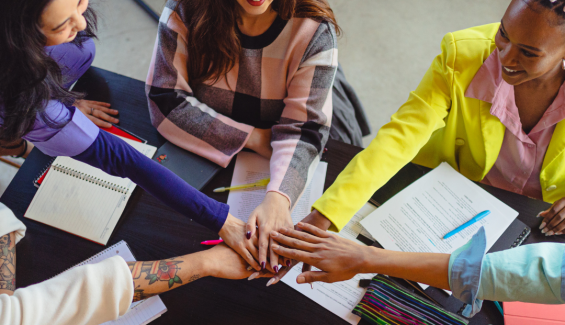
510, 72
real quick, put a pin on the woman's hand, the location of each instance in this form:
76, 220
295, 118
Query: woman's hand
339, 259
260, 142
272, 214
223, 262
316, 219
97, 112
553, 219
233, 234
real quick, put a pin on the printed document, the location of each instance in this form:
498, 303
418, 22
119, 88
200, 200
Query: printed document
417, 218
250, 168
341, 297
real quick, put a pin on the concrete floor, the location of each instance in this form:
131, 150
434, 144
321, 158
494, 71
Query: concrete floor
385, 49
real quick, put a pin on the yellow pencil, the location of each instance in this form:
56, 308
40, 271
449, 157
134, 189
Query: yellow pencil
263, 182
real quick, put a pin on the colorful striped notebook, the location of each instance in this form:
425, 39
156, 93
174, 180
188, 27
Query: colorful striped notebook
385, 302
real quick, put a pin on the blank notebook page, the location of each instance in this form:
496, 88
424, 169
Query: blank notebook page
81, 199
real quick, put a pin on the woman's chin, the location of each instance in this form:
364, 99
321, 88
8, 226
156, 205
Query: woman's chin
515, 80
256, 8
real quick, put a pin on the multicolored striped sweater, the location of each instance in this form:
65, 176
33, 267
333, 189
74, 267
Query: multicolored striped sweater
283, 81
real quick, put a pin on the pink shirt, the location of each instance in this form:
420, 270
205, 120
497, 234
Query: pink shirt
518, 166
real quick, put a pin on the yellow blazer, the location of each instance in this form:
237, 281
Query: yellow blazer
438, 123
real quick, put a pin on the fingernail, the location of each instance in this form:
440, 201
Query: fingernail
262, 265
274, 233
559, 233
542, 225
312, 286
539, 214
300, 224
275, 246
272, 281
300, 279
288, 264
550, 233
249, 268
253, 276
248, 235
544, 231
276, 268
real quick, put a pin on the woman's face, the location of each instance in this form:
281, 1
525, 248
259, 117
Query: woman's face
255, 7
62, 20
530, 43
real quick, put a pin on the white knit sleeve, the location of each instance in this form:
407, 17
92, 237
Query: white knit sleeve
90, 294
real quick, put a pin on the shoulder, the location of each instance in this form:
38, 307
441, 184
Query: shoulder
175, 17
320, 37
470, 45
466, 50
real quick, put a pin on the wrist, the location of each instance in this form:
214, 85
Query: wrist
371, 259
277, 199
204, 264
251, 142
317, 219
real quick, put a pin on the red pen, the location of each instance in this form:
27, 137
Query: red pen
212, 242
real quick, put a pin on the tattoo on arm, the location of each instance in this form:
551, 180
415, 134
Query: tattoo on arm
147, 275
8, 263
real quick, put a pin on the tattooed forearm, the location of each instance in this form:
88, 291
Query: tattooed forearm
154, 277
7, 263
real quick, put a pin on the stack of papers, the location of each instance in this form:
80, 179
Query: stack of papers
417, 218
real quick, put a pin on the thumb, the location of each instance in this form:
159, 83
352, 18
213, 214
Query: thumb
312, 276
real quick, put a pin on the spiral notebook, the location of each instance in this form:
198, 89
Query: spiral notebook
83, 200
140, 312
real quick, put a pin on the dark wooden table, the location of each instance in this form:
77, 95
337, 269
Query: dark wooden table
154, 231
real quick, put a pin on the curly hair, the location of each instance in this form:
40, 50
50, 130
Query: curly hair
29, 78
213, 43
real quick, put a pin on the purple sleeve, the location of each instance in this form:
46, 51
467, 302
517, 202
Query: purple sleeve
117, 158
77, 134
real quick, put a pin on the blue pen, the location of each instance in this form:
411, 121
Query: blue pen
499, 307
476, 218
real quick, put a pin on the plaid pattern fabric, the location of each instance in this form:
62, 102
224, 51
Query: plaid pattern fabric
283, 81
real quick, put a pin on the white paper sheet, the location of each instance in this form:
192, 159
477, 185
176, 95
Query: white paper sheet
340, 298
251, 167
417, 218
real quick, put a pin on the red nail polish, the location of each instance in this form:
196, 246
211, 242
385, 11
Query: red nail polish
288, 263
276, 268
262, 266
248, 235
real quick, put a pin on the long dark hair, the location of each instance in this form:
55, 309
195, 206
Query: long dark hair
29, 78
213, 44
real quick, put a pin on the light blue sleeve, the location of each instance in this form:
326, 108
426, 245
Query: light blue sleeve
531, 273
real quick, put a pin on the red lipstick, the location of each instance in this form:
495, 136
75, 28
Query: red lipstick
255, 3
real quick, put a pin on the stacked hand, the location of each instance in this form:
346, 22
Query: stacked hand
314, 219
272, 214
339, 259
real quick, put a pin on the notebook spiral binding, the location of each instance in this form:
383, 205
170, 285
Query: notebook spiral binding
88, 178
520, 240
